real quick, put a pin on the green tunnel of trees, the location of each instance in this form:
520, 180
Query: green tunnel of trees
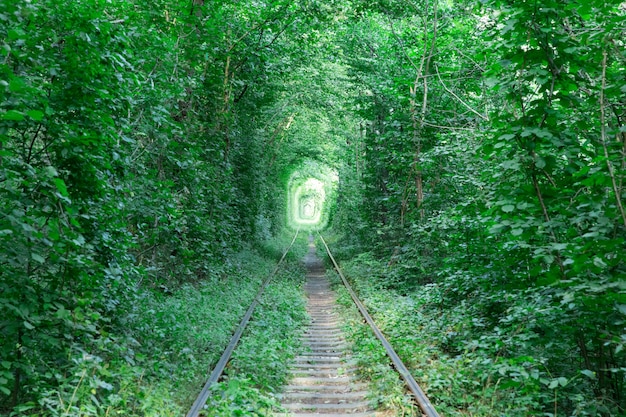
480, 149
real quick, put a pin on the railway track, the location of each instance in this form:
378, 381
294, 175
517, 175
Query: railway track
323, 382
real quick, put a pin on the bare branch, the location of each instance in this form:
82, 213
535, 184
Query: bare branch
616, 190
459, 98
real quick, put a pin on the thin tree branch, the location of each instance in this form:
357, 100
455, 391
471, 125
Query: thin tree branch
425, 123
459, 98
255, 27
32, 143
393, 31
430, 55
616, 191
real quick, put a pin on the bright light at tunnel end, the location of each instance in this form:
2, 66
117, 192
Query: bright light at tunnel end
309, 202
310, 192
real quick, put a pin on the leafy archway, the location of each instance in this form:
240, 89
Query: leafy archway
311, 193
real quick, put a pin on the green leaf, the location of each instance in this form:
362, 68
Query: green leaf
588, 373
14, 34
540, 162
28, 325
5, 390
79, 241
104, 385
37, 257
508, 208
17, 85
35, 115
61, 187
585, 10
511, 164
562, 381
5, 364
13, 115
599, 262
62, 313
517, 232
559, 246
621, 308
51, 171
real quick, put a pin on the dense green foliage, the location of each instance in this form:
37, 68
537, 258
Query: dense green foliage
489, 176
133, 169
480, 148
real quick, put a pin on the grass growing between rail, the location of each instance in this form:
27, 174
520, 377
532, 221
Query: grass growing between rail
386, 389
259, 366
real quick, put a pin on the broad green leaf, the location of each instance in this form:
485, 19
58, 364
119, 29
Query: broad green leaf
60, 186
559, 246
35, 115
508, 208
540, 162
597, 261
28, 325
14, 34
62, 313
13, 115
585, 10
38, 258
588, 373
511, 164
17, 85
51, 171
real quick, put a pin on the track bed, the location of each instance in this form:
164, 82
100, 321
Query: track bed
323, 383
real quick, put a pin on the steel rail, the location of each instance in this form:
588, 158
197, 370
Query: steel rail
202, 398
418, 393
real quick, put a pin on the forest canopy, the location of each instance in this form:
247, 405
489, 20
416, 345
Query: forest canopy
472, 156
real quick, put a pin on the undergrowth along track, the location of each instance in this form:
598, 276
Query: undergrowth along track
323, 383
203, 396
